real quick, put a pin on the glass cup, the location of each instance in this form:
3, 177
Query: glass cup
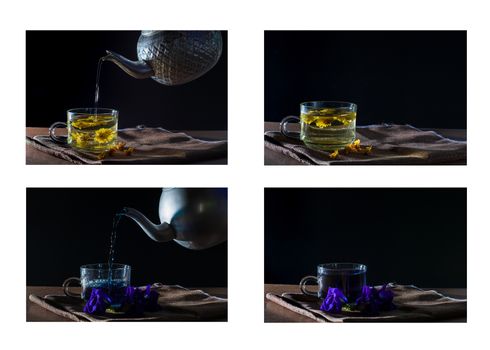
89, 129
325, 125
348, 277
112, 281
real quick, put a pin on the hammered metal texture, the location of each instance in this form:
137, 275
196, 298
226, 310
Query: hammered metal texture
178, 57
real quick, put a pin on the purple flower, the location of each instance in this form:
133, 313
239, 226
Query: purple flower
98, 302
333, 301
151, 299
133, 301
385, 299
136, 301
367, 302
372, 301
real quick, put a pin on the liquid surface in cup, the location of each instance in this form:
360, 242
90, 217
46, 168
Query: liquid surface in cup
350, 283
115, 288
95, 132
328, 128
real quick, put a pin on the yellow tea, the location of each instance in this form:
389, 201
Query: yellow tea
93, 133
328, 128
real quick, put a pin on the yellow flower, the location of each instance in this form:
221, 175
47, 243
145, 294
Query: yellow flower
92, 121
307, 119
79, 138
334, 154
104, 135
355, 147
322, 123
128, 151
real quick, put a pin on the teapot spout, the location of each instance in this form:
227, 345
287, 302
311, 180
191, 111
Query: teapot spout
160, 233
136, 69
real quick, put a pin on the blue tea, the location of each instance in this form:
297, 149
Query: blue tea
115, 289
350, 283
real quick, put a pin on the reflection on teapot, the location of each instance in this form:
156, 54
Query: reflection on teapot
172, 57
195, 218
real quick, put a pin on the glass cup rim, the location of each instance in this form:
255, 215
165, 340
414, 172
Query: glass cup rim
309, 104
91, 110
104, 267
342, 266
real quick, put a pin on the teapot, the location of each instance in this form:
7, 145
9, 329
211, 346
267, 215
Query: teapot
172, 57
195, 218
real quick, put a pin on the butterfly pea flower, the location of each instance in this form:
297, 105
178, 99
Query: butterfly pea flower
151, 299
372, 301
385, 299
98, 302
133, 301
334, 301
367, 303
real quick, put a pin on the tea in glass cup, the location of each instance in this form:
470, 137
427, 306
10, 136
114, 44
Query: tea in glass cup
112, 280
89, 129
325, 125
348, 277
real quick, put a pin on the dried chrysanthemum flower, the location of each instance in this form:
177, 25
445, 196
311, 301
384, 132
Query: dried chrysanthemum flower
355, 147
102, 155
334, 154
81, 139
119, 146
104, 135
322, 123
128, 151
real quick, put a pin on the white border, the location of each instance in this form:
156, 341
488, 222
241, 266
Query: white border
245, 175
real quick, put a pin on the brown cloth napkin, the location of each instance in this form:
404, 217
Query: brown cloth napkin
178, 304
152, 146
392, 144
412, 305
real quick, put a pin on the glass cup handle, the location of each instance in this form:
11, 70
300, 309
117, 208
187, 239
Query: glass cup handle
52, 135
284, 127
66, 285
303, 284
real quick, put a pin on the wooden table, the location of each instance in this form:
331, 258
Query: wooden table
34, 156
274, 158
36, 313
275, 313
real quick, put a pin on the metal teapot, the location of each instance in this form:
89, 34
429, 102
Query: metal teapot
195, 218
172, 57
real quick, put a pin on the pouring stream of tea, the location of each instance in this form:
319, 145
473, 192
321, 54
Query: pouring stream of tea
115, 223
97, 79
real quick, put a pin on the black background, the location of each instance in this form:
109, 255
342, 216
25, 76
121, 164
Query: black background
409, 236
67, 228
61, 70
403, 77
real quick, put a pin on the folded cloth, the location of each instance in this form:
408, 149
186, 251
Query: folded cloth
412, 305
152, 146
392, 144
178, 304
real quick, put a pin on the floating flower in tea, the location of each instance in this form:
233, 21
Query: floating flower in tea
104, 135
80, 139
